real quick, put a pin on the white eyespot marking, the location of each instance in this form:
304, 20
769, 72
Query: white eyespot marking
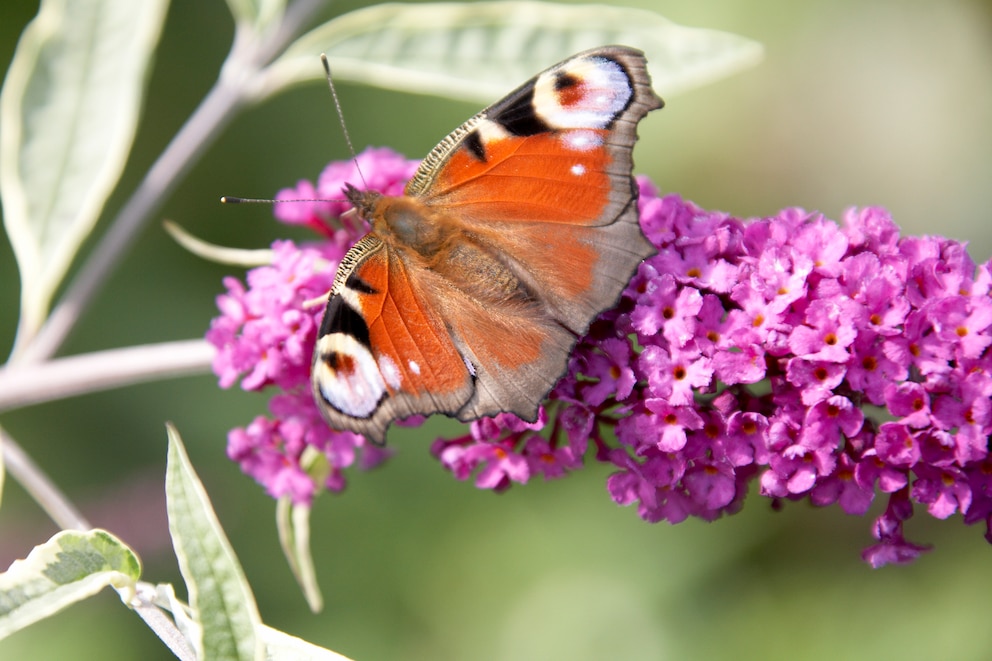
390, 372
579, 140
346, 376
578, 169
598, 91
414, 367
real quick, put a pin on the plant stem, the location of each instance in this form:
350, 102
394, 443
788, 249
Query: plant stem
144, 605
41, 488
25, 384
217, 109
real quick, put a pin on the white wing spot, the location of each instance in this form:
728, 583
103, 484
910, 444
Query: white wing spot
414, 367
579, 140
578, 169
390, 373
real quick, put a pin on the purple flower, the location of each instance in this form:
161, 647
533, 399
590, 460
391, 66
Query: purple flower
710, 485
962, 321
500, 466
815, 380
897, 445
893, 548
871, 470
659, 424
741, 351
827, 332
664, 306
611, 365
842, 487
943, 491
910, 402
674, 374
552, 462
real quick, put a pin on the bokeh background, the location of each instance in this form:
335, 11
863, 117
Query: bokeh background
858, 102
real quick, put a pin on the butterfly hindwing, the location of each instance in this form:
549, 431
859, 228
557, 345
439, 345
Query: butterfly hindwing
515, 232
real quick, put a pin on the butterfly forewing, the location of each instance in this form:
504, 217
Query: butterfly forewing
559, 146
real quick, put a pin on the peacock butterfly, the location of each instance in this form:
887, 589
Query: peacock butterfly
515, 232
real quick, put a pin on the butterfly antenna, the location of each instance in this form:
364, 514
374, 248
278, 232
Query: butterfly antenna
337, 106
231, 199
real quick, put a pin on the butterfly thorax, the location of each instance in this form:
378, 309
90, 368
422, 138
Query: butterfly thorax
408, 224
402, 222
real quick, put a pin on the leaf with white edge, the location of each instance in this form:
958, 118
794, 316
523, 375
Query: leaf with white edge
69, 109
293, 524
280, 646
479, 51
71, 566
219, 596
259, 14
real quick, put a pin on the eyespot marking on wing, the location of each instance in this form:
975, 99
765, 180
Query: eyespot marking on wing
347, 376
588, 92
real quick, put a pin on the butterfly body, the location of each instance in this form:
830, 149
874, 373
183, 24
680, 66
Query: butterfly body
516, 231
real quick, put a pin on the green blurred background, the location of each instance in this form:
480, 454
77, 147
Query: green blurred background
858, 102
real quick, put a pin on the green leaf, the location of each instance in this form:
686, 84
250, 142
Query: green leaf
220, 598
259, 14
480, 51
280, 646
69, 567
69, 108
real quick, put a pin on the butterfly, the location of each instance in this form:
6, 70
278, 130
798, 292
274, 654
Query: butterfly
517, 230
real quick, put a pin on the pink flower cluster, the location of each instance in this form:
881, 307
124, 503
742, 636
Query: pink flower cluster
741, 351
266, 333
